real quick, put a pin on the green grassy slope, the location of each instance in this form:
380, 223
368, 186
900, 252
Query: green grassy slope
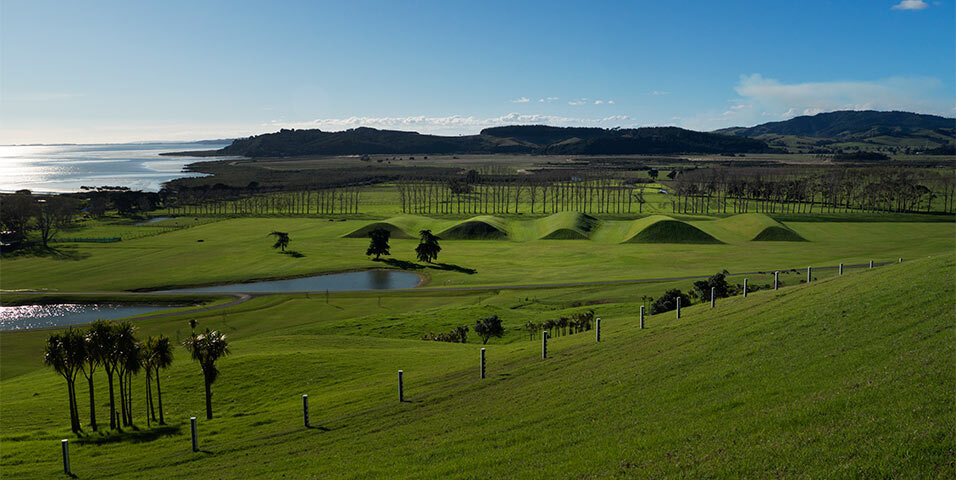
850, 376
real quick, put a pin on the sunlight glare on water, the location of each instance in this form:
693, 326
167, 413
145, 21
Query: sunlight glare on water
62, 314
65, 168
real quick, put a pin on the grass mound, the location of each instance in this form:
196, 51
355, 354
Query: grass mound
663, 229
567, 226
758, 227
565, 234
477, 228
363, 232
778, 234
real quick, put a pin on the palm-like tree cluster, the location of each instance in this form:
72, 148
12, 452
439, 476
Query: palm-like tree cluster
458, 334
578, 322
114, 347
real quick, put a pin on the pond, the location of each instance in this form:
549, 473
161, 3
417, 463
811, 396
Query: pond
151, 220
364, 280
61, 314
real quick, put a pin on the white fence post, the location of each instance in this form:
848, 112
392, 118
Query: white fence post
642, 317
305, 409
66, 456
482, 362
776, 280
192, 429
745, 288
401, 386
597, 330
841, 269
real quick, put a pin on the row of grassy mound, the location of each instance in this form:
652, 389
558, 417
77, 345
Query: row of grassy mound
579, 226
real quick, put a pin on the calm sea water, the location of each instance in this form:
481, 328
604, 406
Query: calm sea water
49, 168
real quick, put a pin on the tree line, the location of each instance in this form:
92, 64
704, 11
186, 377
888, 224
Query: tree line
812, 190
576, 323
226, 201
509, 195
23, 212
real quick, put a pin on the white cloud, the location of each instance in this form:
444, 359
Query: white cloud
521, 100
761, 98
911, 5
610, 102
599, 102
578, 102
548, 99
452, 124
897, 93
660, 92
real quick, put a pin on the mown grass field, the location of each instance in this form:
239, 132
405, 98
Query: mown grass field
236, 250
848, 376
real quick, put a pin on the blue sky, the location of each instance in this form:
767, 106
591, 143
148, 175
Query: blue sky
101, 71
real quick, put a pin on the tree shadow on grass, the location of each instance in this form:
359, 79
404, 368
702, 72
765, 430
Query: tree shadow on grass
406, 265
134, 435
293, 254
55, 253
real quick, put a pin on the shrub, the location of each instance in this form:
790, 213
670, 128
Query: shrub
668, 301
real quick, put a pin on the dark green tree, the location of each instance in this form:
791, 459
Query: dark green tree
718, 281
428, 248
668, 301
378, 245
282, 240
162, 359
207, 348
93, 357
489, 327
65, 352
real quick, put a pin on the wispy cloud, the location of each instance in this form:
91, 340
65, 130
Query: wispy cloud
911, 5
581, 101
521, 100
603, 102
548, 99
660, 92
762, 99
896, 93
452, 124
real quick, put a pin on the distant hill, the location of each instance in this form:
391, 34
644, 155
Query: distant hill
537, 139
848, 123
902, 130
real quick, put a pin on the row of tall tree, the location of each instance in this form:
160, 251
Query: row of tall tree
576, 323
113, 348
509, 195
328, 201
813, 190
